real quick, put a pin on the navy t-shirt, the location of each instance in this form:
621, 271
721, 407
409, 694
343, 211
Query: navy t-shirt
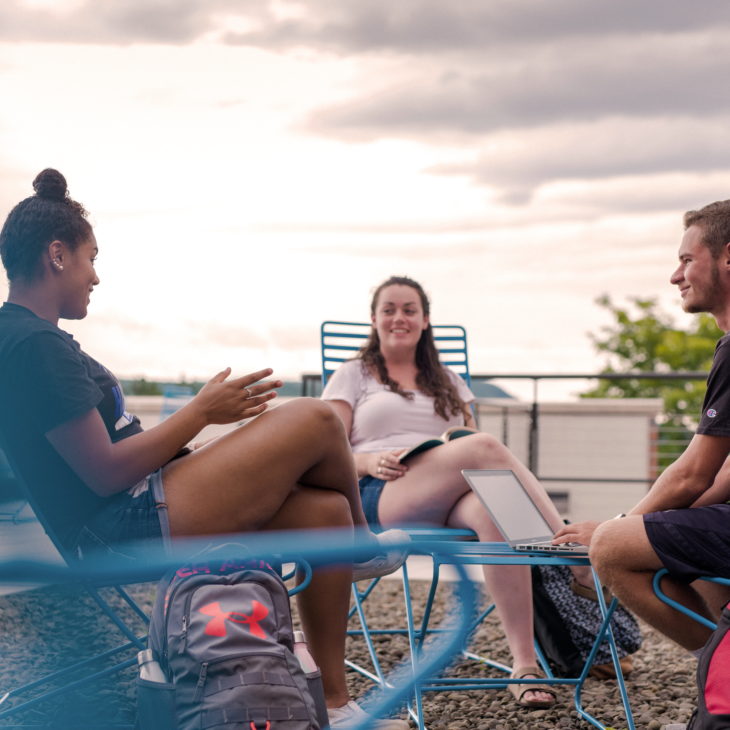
715, 417
46, 380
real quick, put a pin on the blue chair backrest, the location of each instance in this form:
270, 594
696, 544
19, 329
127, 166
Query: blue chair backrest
340, 341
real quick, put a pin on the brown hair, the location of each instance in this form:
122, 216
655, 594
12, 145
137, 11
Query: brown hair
714, 220
432, 378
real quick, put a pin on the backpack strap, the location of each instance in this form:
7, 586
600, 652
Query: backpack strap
241, 679
233, 715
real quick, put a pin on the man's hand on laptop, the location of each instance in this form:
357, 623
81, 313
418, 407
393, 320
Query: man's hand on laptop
580, 532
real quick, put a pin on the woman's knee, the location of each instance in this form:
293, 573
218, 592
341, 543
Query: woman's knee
486, 450
312, 413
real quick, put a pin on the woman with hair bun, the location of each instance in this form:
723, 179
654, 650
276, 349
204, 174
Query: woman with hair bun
104, 483
393, 396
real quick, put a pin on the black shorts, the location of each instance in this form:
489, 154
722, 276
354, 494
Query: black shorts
128, 523
692, 542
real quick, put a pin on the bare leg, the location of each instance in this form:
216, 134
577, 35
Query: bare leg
324, 604
434, 491
291, 468
510, 587
433, 484
625, 561
239, 481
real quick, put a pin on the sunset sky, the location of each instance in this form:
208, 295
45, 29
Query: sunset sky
253, 167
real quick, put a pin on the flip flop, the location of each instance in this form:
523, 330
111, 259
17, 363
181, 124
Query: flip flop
519, 690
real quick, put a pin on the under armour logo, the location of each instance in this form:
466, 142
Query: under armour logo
217, 624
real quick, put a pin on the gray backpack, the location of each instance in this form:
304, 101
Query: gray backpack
221, 631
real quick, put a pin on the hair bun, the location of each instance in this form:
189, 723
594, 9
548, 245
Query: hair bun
51, 185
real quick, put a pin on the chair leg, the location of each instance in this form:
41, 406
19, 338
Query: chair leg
365, 632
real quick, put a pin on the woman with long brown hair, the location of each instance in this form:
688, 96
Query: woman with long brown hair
396, 394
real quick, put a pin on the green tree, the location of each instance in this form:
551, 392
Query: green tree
643, 338
141, 386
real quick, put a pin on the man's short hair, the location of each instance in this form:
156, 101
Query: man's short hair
714, 219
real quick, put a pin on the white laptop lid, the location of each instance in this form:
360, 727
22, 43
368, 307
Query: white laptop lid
509, 505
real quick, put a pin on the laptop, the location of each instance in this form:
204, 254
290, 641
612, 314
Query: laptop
514, 513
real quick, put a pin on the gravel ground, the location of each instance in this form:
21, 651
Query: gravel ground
36, 638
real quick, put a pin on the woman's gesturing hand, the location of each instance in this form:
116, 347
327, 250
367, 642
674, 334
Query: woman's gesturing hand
228, 401
385, 465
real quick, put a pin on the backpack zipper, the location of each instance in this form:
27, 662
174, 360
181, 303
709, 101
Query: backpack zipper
279, 653
200, 686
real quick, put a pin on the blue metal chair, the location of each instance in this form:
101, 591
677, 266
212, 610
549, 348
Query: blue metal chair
132, 629
105, 592
327, 547
340, 341
662, 596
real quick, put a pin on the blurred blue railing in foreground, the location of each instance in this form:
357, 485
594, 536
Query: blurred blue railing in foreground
324, 548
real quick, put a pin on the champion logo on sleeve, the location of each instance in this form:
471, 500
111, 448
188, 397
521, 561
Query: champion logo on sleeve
711, 413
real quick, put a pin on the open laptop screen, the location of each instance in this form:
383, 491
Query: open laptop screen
511, 508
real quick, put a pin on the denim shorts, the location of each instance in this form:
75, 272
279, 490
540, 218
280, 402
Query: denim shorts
691, 542
128, 522
370, 491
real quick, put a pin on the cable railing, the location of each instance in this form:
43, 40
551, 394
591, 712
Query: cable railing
663, 442
666, 439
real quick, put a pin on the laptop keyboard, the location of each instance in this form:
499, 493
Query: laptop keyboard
569, 547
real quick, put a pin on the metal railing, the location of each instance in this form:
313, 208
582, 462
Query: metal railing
669, 441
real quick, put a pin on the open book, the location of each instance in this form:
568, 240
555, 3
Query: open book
455, 432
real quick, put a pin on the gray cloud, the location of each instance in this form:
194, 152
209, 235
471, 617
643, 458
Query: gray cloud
408, 26
113, 22
548, 84
517, 164
607, 88
428, 26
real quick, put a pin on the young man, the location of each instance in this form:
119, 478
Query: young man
683, 523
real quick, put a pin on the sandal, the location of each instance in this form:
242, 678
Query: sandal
519, 690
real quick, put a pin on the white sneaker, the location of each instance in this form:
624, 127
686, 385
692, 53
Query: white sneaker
386, 562
352, 714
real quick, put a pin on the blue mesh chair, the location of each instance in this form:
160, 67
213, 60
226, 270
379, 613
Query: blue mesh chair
340, 341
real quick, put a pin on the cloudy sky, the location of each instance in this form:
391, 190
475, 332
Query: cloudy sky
255, 166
